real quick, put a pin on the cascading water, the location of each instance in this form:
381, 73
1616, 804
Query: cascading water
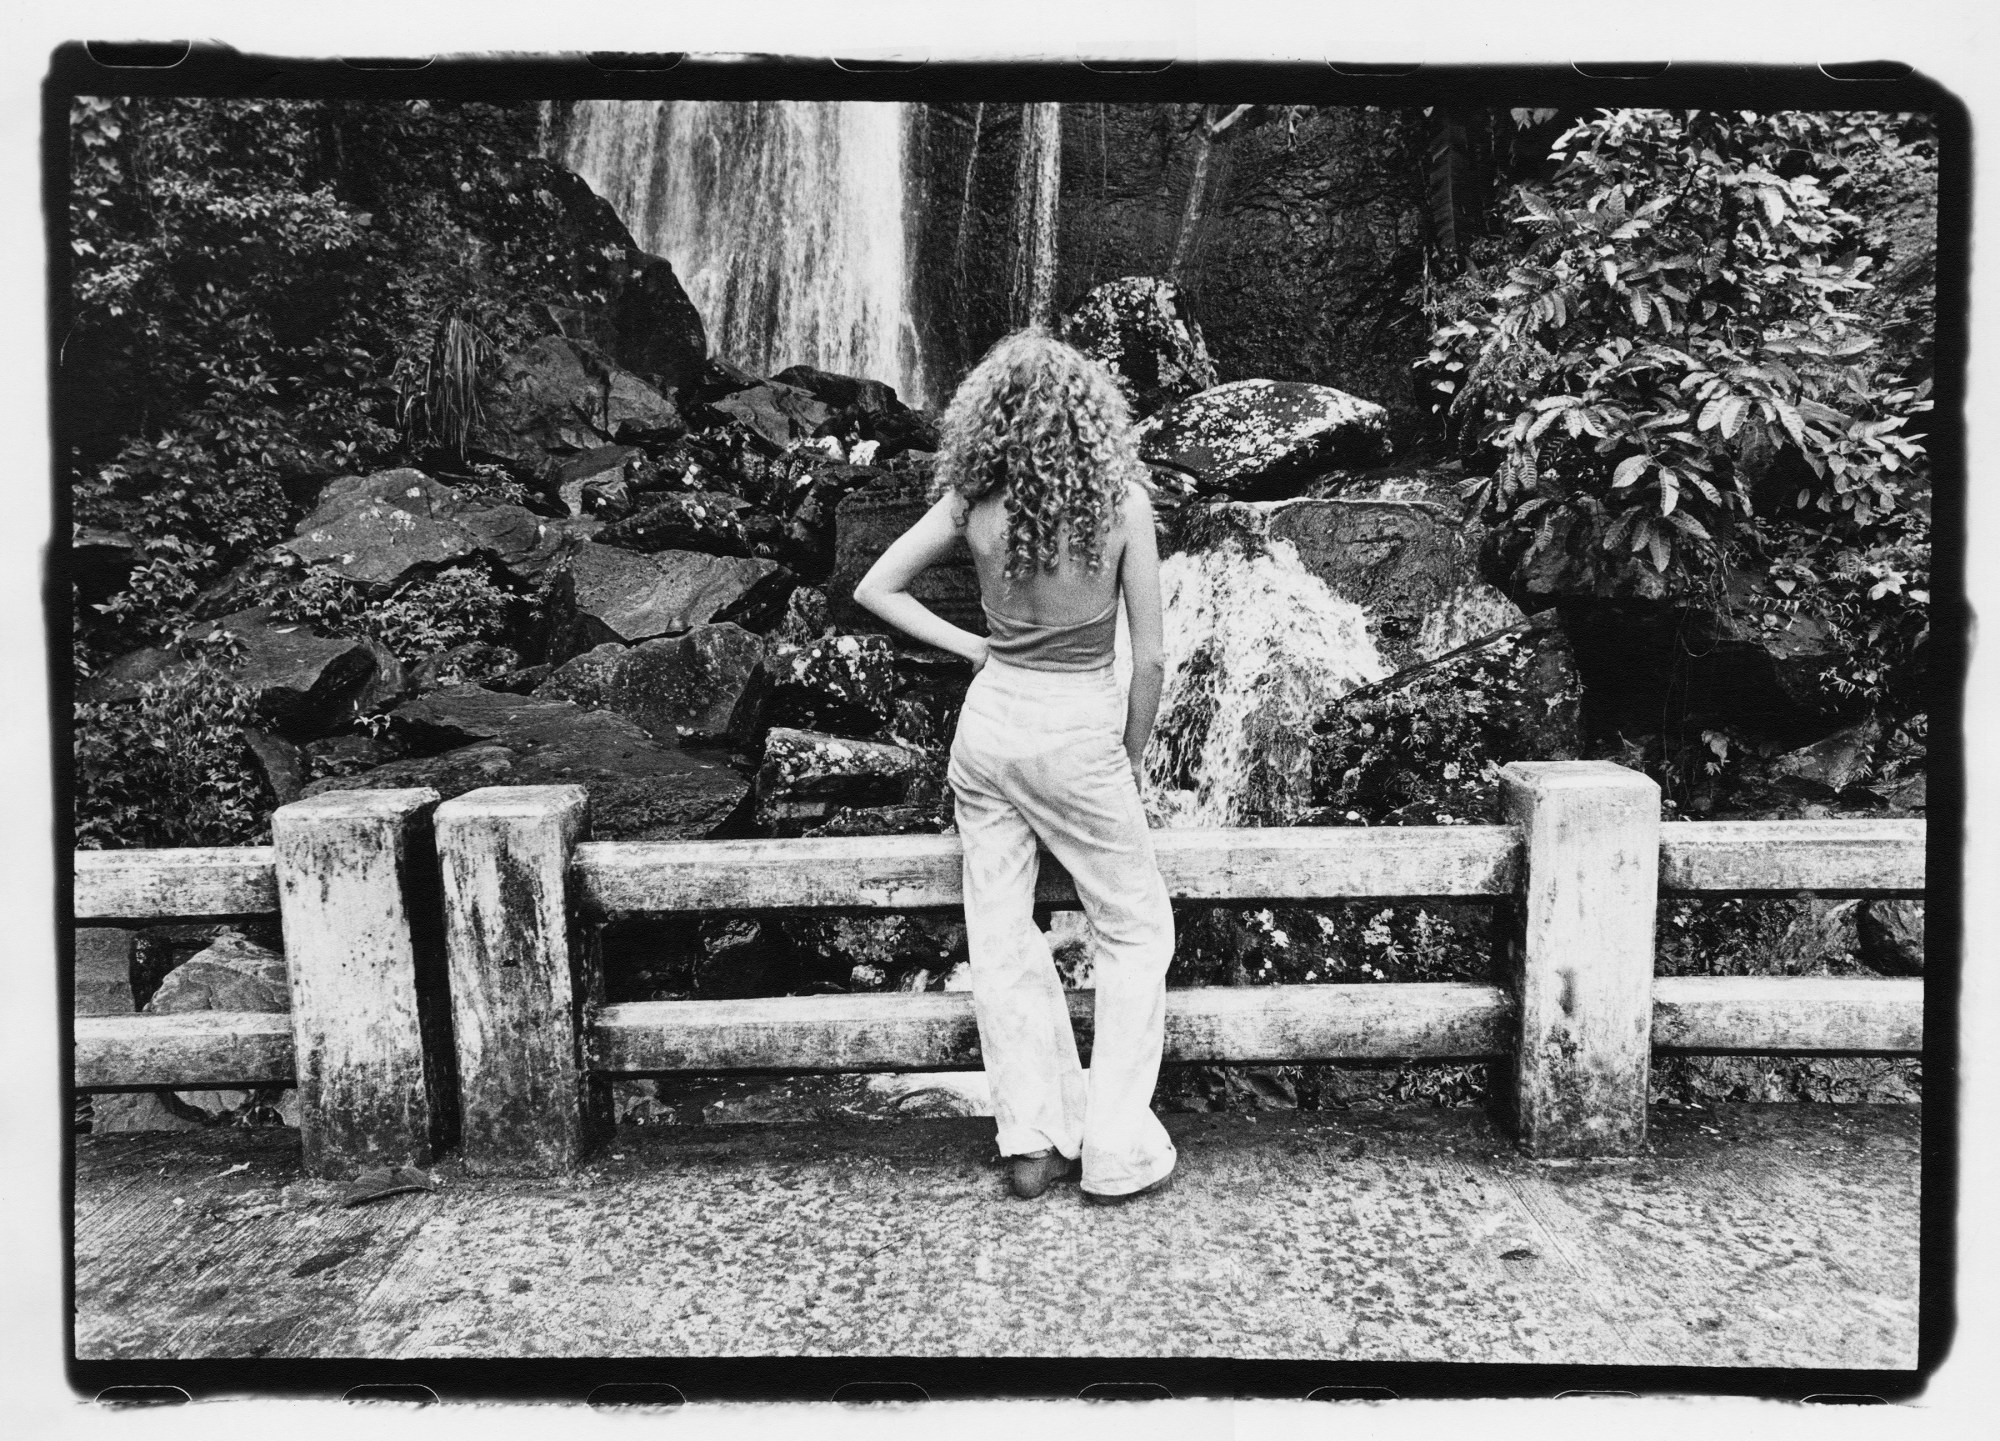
1257, 647
784, 219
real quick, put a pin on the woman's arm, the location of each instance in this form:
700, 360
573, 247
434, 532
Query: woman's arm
885, 590
1139, 578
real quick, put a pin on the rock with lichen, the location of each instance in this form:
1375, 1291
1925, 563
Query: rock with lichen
807, 775
843, 684
1264, 439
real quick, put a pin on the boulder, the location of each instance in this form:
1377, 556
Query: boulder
1891, 936
867, 522
1413, 566
882, 948
805, 618
807, 775
523, 546
1424, 746
843, 684
742, 956
233, 974
684, 688
840, 392
640, 788
1139, 329
381, 530
305, 684
121, 678
1264, 439
606, 466
468, 664
1827, 767
658, 330
779, 413
809, 542
560, 395
281, 764
103, 971
701, 520
605, 594
346, 755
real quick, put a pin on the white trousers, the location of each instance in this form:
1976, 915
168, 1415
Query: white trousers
1040, 754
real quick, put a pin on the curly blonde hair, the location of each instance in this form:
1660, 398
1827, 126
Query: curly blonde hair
1047, 426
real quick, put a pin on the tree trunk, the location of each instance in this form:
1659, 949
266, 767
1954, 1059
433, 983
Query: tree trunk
1217, 126
1037, 179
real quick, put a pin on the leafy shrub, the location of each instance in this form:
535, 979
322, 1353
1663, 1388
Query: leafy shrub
1683, 317
458, 605
170, 768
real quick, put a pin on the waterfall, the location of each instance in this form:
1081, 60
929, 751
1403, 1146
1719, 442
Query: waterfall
784, 219
1257, 648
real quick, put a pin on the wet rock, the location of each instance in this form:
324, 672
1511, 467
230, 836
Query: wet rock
742, 957
877, 821
1425, 745
1827, 767
701, 520
603, 467
640, 788
779, 413
684, 688
867, 522
840, 392
1139, 328
843, 684
562, 395
1264, 439
1413, 566
809, 543
881, 950
805, 618
806, 775
120, 679
523, 546
659, 332
470, 664
281, 764
1891, 935
607, 594
305, 684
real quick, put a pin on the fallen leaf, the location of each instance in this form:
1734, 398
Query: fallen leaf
239, 1166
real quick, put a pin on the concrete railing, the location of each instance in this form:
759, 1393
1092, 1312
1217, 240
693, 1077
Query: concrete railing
383, 953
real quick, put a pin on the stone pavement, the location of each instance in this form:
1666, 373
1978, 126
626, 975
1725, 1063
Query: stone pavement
1774, 1235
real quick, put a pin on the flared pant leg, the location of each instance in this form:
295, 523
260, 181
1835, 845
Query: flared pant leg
1051, 765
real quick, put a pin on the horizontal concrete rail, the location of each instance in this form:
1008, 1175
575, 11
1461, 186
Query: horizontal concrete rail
925, 1032
1776, 1015
185, 1050
144, 885
917, 872
1829, 857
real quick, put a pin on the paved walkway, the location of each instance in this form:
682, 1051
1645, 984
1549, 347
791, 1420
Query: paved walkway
1750, 1236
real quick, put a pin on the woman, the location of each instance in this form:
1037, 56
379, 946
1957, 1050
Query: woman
1040, 476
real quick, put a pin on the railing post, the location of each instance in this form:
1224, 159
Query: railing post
520, 982
345, 864
1586, 983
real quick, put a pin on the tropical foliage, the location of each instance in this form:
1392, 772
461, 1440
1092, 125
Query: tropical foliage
1685, 335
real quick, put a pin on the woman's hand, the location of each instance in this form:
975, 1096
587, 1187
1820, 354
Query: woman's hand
978, 655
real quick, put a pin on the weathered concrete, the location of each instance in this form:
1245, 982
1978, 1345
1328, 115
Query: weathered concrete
1747, 1236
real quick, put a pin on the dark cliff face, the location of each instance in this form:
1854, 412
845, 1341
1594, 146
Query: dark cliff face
1313, 237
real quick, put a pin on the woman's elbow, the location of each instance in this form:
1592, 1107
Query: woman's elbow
870, 594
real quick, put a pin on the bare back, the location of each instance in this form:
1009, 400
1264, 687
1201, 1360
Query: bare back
1069, 595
